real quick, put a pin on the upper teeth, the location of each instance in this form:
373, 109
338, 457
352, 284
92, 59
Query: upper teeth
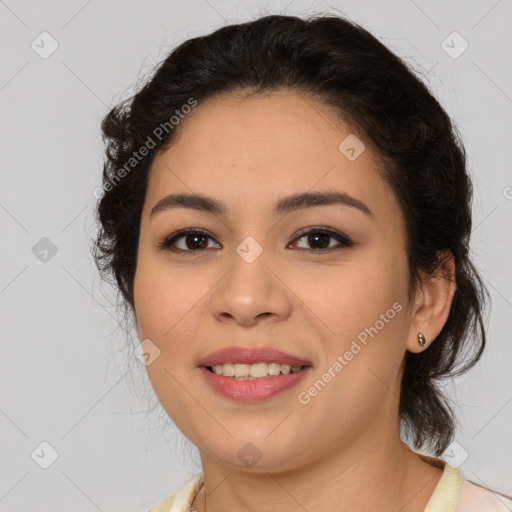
254, 370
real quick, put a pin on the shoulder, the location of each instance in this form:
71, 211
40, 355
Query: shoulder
454, 493
181, 500
475, 498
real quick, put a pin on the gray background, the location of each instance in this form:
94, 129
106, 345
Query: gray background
67, 373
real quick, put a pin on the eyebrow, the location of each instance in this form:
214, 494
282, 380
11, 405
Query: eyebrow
286, 204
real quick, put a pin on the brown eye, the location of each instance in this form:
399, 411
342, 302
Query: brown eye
321, 239
188, 241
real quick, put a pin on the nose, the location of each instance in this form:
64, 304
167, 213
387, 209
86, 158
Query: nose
252, 292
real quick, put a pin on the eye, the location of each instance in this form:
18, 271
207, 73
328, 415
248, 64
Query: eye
194, 240
321, 238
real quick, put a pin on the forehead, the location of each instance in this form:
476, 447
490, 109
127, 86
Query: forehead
257, 149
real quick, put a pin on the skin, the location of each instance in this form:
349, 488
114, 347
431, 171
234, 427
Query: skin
250, 152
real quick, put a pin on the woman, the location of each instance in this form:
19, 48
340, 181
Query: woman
287, 214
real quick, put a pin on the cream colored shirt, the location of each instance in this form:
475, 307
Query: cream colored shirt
453, 493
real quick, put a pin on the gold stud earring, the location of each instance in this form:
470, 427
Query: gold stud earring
421, 339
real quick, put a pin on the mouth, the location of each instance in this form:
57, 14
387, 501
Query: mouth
252, 356
252, 374
247, 389
241, 371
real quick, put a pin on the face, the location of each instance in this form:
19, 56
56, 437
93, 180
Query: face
326, 283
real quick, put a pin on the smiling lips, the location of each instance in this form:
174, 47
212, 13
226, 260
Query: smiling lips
253, 371
251, 355
252, 374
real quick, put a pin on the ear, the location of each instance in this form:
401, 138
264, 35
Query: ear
432, 303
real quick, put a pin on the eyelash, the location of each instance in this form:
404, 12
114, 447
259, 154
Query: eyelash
345, 242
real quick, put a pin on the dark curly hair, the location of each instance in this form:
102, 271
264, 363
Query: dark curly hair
337, 62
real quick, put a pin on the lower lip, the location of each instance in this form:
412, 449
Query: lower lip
256, 390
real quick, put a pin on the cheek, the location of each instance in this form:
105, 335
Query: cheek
361, 312
167, 302
368, 314
349, 299
165, 297
362, 350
